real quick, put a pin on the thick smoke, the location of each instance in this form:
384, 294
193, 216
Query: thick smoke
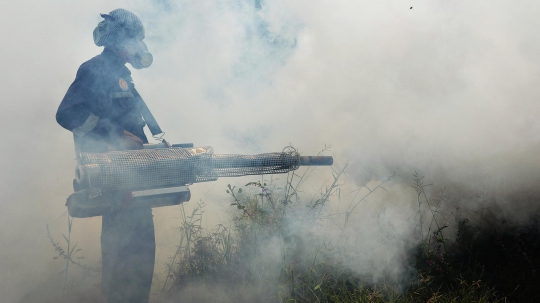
446, 88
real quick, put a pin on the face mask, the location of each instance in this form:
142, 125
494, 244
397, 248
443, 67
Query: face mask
142, 60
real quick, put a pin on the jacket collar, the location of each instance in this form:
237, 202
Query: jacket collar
114, 61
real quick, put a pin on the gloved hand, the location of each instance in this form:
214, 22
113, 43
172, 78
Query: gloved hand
127, 141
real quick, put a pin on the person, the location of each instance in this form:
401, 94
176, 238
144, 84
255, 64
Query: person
105, 112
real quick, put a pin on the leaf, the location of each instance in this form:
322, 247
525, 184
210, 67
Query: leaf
317, 287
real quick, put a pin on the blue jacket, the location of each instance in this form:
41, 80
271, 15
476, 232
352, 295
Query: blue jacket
102, 102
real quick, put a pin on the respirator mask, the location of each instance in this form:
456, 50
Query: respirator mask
139, 55
142, 60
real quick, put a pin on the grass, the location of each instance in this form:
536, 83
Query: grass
454, 260
70, 258
271, 250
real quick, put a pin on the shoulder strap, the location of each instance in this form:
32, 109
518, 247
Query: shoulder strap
147, 115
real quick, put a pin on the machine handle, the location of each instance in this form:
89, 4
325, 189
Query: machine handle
164, 145
183, 145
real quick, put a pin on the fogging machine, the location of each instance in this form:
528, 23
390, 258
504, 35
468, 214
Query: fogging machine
159, 175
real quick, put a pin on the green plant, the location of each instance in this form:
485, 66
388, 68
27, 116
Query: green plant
69, 256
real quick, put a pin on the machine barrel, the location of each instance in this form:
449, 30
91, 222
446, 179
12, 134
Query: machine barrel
276, 161
156, 167
316, 160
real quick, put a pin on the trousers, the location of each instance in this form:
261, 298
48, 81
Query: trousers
128, 254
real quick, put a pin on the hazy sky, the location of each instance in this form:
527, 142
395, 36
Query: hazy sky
449, 88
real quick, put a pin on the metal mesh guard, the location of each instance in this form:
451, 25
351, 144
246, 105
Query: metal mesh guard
158, 168
143, 169
242, 165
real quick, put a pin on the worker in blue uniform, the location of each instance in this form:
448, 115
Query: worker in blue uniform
105, 112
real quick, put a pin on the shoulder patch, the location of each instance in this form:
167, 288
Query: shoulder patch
123, 84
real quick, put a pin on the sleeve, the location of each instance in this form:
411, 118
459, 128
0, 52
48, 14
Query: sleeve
78, 110
73, 111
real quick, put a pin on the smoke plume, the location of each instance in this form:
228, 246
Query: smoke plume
448, 89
